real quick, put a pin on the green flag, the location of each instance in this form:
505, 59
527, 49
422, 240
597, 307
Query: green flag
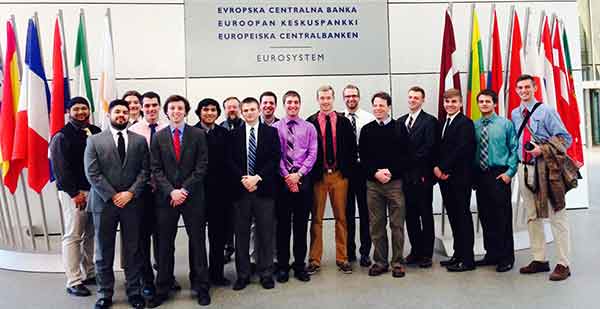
83, 84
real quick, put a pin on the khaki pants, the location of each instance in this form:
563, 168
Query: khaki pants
381, 199
558, 223
77, 242
336, 186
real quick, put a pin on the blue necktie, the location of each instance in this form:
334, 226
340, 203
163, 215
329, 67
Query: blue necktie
251, 152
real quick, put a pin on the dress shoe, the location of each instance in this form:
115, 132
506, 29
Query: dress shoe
313, 269
398, 272
203, 297
302, 275
282, 276
453, 260
240, 284
103, 303
89, 281
504, 267
157, 300
175, 287
426, 262
137, 301
267, 282
377, 270
148, 290
344, 267
365, 261
412, 259
485, 262
78, 290
535, 267
560, 272
460, 267
221, 281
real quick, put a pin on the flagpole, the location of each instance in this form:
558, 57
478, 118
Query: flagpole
490, 40
470, 42
507, 58
449, 9
4, 203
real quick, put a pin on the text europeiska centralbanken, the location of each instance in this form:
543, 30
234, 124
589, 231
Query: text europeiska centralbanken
294, 27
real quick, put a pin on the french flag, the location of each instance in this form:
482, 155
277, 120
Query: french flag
33, 128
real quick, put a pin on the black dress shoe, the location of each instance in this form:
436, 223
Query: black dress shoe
148, 290
453, 260
302, 275
365, 261
412, 259
203, 297
175, 287
157, 300
89, 281
221, 281
282, 276
502, 268
137, 301
485, 262
426, 262
267, 283
78, 290
460, 267
240, 284
103, 303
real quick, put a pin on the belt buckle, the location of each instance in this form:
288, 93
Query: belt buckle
329, 171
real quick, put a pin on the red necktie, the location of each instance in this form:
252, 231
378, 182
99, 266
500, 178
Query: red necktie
526, 137
176, 144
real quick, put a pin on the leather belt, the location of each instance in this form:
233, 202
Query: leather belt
526, 163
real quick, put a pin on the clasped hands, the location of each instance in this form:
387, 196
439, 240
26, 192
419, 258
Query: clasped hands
251, 182
122, 198
383, 175
439, 174
178, 196
292, 181
80, 200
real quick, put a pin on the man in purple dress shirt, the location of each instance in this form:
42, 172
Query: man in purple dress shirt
298, 140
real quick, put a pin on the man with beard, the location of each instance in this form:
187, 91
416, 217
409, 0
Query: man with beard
116, 165
66, 154
268, 104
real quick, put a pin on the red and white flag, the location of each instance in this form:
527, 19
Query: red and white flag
534, 64
449, 75
546, 51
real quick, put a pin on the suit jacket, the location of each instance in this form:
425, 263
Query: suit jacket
106, 174
218, 140
268, 154
188, 173
346, 147
422, 147
457, 150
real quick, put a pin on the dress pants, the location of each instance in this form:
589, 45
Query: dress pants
383, 200
77, 242
105, 225
293, 210
194, 218
457, 200
357, 196
419, 218
261, 209
148, 239
217, 217
336, 186
495, 213
558, 223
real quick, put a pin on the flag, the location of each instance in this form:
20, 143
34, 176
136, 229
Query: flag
576, 147
10, 98
549, 67
449, 75
495, 78
534, 65
33, 129
83, 83
106, 82
476, 71
515, 65
60, 82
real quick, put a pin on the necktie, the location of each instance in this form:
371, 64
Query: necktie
251, 152
526, 137
290, 138
152, 130
483, 157
177, 144
446, 127
381, 123
353, 121
410, 123
329, 156
121, 146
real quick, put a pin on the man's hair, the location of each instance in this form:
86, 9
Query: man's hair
176, 98
79, 100
132, 93
117, 102
350, 86
249, 100
417, 89
525, 77
451, 93
151, 95
490, 93
231, 98
384, 96
325, 88
268, 94
292, 93
208, 102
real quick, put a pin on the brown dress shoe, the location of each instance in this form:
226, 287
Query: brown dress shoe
398, 272
535, 267
560, 272
377, 270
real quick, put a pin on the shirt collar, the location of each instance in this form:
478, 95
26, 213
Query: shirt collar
287, 119
386, 120
255, 126
205, 127
452, 117
415, 114
114, 131
529, 105
180, 126
356, 112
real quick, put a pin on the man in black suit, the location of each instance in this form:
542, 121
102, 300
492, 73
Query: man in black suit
116, 166
253, 162
179, 165
218, 205
422, 130
454, 169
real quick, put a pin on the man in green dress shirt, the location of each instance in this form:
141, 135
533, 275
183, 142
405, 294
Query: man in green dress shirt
495, 164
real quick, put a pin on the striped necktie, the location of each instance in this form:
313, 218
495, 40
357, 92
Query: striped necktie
251, 152
483, 157
290, 140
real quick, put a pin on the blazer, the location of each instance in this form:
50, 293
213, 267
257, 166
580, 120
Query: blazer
457, 150
106, 174
186, 174
422, 147
346, 147
268, 154
216, 179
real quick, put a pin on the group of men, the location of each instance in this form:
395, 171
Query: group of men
255, 180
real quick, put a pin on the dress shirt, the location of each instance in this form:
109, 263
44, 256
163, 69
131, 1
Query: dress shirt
544, 123
322, 126
206, 128
502, 143
449, 123
414, 116
143, 128
385, 121
305, 145
181, 127
362, 118
114, 132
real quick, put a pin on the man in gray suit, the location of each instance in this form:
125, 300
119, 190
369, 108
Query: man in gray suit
116, 165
